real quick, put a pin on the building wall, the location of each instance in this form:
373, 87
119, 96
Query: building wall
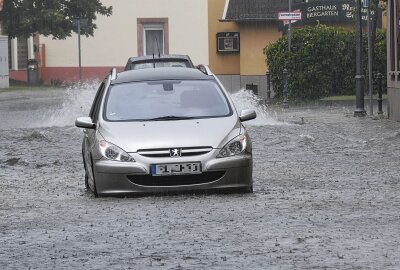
254, 38
224, 64
116, 37
393, 57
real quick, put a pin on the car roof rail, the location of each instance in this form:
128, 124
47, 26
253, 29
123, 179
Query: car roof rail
205, 69
113, 73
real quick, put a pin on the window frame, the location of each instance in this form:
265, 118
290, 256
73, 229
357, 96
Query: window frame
142, 24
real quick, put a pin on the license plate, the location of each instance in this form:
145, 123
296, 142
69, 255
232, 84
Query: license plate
176, 168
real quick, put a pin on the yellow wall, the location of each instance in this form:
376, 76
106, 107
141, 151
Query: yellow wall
220, 63
253, 39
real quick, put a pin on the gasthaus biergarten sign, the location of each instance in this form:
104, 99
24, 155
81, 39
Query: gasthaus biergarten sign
334, 11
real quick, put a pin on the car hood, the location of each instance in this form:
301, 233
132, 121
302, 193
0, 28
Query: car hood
132, 136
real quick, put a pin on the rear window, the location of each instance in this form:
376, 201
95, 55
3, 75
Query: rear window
145, 101
166, 63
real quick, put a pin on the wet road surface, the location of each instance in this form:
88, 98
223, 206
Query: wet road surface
326, 196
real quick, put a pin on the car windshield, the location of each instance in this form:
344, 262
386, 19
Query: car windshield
166, 63
165, 100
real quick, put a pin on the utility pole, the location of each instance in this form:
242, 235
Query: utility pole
370, 85
79, 49
360, 79
290, 29
285, 70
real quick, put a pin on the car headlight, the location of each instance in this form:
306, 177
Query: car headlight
113, 152
235, 147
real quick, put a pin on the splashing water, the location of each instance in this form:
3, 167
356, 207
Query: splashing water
245, 99
60, 107
77, 102
46, 107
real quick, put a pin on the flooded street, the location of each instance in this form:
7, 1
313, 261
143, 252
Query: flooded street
326, 196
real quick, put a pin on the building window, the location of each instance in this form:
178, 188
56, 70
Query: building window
152, 36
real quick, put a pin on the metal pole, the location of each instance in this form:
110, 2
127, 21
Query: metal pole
379, 76
285, 70
370, 85
360, 79
285, 88
79, 49
290, 28
268, 101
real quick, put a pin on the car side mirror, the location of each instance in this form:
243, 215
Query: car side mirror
246, 115
85, 122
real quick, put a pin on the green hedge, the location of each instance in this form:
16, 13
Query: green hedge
321, 62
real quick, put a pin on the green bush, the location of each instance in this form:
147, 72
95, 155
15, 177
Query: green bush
321, 62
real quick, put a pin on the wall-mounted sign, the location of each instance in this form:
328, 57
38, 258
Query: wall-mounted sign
290, 16
333, 11
228, 42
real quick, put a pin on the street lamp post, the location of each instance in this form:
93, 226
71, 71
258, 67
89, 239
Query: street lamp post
285, 88
285, 70
80, 23
79, 49
360, 79
370, 85
268, 101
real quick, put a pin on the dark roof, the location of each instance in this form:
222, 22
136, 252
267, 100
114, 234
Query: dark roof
155, 74
255, 10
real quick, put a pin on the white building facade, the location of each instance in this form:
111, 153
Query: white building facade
136, 27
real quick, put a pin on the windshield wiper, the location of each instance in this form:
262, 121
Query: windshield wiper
169, 118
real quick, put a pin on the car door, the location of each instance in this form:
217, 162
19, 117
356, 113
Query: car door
90, 134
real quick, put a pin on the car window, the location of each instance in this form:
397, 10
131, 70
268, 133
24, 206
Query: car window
147, 100
94, 111
177, 63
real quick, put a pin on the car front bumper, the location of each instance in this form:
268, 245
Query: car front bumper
113, 178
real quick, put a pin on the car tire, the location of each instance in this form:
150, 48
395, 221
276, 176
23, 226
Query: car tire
94, 182
86, 174
86, 181
248, 189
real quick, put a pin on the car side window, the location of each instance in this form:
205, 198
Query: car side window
94, 111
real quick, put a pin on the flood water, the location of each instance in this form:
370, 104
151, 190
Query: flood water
326, 196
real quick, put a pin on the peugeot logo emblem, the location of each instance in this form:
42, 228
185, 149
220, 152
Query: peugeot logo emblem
175, 152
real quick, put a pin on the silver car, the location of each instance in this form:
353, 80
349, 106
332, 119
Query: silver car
165, 130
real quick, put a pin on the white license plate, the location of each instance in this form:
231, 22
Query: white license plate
176, 168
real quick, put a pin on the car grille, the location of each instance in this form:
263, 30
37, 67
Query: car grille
165, 152
175, 180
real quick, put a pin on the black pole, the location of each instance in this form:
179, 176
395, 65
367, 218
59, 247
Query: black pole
285, 70
360, 78
379, 77
268, 101
285, 88
79, 49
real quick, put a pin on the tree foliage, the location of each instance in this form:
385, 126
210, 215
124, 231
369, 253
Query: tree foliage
321, 63
50, 17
